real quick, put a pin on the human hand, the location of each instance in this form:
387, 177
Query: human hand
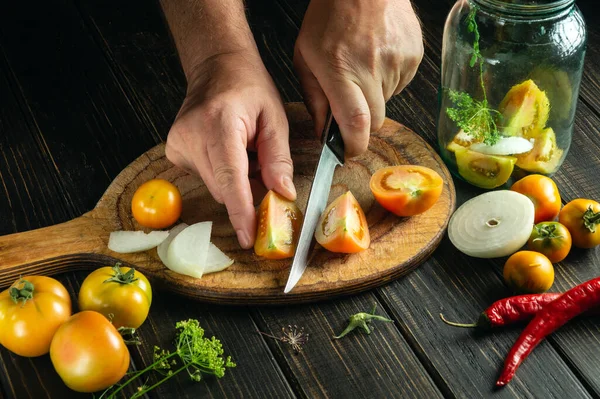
232, 106
354, 55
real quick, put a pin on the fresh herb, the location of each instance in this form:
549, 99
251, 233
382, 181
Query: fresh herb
193, 353
362, 320
475, 117
293, 336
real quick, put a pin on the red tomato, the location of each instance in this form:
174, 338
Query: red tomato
543, 192
343, 226
279, 222
551, 239
406, 190
121, 292
88, 352
582, 218
31, 311
156, 204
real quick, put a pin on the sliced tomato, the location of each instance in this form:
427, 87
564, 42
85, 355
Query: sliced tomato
343, 226
279, 222
406, 190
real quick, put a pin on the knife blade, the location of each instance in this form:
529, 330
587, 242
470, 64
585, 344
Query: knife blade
332, 155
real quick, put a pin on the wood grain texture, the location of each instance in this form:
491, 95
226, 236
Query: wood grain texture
379, 365
398, 245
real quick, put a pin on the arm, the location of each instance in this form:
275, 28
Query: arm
231, 106
353, 55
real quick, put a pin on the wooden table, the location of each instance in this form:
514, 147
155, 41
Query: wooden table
87, 86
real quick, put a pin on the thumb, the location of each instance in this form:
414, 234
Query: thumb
273, 148
314, 97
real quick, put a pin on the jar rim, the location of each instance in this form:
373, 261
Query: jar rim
526, 7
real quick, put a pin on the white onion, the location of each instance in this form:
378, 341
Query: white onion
188, 252
135, 241
164, 246
504, 146
216, 260
494, 224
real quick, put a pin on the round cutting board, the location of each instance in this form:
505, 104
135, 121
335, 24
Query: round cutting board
398, 244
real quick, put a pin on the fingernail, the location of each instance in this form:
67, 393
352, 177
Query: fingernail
243, 239
288, 185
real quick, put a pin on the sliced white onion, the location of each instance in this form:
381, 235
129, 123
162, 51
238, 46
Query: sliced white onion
493, 224
504, 146
135, 241
188, 251
216, 260
163, 247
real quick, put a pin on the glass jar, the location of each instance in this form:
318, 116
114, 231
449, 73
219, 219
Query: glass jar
509, 85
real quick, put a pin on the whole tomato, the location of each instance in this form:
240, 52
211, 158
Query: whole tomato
528, 272
544, 194
88, 353
122, 294
31, 311
156, 204
551, 239
582, 217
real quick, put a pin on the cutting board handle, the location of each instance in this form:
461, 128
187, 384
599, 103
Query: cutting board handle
67, 246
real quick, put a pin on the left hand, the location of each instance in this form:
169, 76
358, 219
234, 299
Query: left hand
354, 55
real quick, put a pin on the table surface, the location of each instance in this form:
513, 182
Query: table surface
86, 86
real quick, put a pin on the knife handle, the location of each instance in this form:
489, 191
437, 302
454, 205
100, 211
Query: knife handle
333, 137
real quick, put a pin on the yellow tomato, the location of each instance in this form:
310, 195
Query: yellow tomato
31, 310
122, 294
529, 272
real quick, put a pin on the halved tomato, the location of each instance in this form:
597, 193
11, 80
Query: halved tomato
279, 222
406, 190
343, 226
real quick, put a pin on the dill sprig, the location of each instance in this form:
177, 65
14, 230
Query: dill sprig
475, 117
194, 353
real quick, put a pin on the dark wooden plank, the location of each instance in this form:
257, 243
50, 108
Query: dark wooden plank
359, 365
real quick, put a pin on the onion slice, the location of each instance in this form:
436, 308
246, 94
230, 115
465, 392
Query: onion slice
163, 247
125, 242
491, 225
504, 146
188, 251
216, 260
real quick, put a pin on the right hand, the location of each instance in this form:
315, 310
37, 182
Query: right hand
231, 106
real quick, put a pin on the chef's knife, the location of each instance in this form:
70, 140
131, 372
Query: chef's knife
332, 155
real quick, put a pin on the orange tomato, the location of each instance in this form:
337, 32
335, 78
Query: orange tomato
88, 352
343, 226
551, 239
31, 311
156, 204
543, 192
528, 272
406, 190
582, 217
279, 222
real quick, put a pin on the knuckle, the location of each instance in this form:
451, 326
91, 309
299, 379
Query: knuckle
359, 119
225, 176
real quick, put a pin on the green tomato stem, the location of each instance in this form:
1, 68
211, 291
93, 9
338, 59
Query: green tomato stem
120, 277
24, 293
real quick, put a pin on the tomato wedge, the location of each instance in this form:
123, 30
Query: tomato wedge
279, 222
343, 226
406, 190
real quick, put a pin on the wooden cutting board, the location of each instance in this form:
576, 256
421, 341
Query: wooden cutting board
398, 245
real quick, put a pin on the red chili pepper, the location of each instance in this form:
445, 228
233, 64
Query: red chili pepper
554, 315
509, 310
